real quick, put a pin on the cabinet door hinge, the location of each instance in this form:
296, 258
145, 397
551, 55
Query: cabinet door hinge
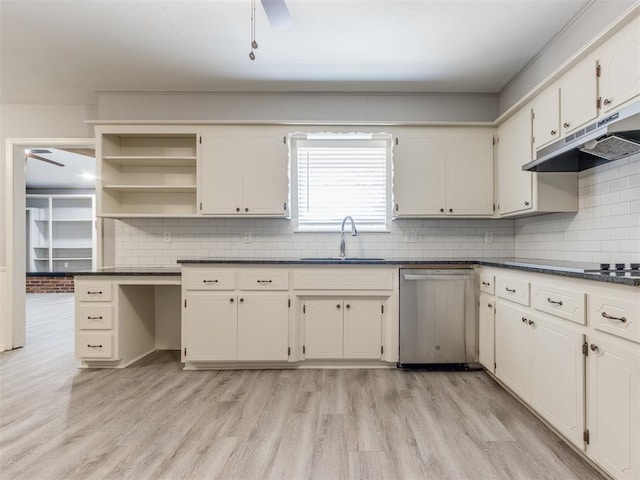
381, 349
284, 139
285, 206
289, 303
494, 141
382, 308
494, 207
533, 139
585, 349
288, 351
304, 309
396, 140
598, 70
533, 115
200, 206
304, 349
200, 139
585, 436
185, 351
495, 366
185, 303
599, 103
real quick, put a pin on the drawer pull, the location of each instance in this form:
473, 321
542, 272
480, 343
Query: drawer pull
524, 320
486, 283
611, 317
510, 290
489, 305
264, 281
95, 318
555, 302
593, 347
94, 293
209, 281
93, 346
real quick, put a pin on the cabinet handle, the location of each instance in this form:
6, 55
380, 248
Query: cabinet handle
241, 300
554, 302
524, 320
338, 306
237, 209
510, 290
348, 306
442, 209
264, 281
94, 293
489, 305
611, 317
486, 283
553, 132
606, 101
593, 347
451, 210
210, 281
566, 124
94, 318
231, 300
526, 203
531, 322
246, 209
93, 346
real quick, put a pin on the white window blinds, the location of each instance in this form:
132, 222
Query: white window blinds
342, 177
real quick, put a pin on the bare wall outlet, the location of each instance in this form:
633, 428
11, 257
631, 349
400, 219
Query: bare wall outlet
488, 237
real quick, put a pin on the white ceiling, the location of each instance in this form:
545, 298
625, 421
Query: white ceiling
78, 171
63, 51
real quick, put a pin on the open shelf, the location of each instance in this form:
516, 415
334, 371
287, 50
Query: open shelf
151, 161
152, 188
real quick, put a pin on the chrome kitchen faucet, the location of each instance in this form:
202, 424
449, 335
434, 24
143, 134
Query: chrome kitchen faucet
354, 232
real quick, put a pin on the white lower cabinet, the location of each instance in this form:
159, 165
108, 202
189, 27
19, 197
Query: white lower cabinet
486, 329
613, 407
342, 328
542, 363
228, 327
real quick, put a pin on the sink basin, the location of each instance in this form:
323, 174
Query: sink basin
343, 259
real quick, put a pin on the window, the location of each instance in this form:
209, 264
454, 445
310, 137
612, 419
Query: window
336, 175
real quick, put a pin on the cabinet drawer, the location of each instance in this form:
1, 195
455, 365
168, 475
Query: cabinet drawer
209, 279
514, 290
620, 317
94, 317
264, 280
556, 301
487, 283
95, 345
336, 279
93, 292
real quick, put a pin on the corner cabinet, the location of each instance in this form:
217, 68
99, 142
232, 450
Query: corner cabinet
443, 172
243, 171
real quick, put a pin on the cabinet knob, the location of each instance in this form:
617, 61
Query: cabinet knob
593, 347
526, 203
566, 124
237, 209
338, 306
241, 300
442, 209
553, 132
531, 322
489, 305
231, 300
524, 320
348, 306
606, 101
451, 210
246, 209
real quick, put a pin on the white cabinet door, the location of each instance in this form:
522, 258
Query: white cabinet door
265, 176
515, 187
486, 332
323, 328
210, 327
220, 175
546, 117
513, 348
418, 176
578, 96
263, 327
620, 67
613, 414
469, 175
557, 377
363, 329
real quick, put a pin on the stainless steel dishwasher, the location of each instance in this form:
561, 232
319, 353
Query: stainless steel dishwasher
438, 327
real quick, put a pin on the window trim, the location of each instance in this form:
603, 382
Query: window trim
297, 137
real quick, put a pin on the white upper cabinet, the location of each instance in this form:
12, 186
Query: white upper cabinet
579, 96
443, 172
619, 61
243, 171
546, 117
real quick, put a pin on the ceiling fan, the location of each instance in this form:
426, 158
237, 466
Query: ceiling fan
36, 154
277, 14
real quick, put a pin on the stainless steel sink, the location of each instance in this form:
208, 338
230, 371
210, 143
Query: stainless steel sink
342, 259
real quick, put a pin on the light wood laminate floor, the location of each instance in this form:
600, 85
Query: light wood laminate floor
154, 421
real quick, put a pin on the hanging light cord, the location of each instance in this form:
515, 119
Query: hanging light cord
254, 44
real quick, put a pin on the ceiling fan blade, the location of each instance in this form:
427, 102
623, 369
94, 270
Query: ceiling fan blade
38, 157
277, 13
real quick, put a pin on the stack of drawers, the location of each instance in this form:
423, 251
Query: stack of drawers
94, 321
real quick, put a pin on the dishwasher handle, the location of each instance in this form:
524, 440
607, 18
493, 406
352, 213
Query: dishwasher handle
417, 277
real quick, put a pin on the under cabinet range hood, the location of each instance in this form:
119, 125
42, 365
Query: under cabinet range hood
611, 138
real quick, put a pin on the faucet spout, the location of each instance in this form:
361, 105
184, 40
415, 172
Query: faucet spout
354, 232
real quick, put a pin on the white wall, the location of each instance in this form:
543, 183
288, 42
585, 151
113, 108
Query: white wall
593, 20
299, 107
605, 229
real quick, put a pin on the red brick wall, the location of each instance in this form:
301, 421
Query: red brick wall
49, 284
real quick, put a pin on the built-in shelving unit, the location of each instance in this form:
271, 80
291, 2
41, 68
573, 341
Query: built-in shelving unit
150, 175
60, 233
